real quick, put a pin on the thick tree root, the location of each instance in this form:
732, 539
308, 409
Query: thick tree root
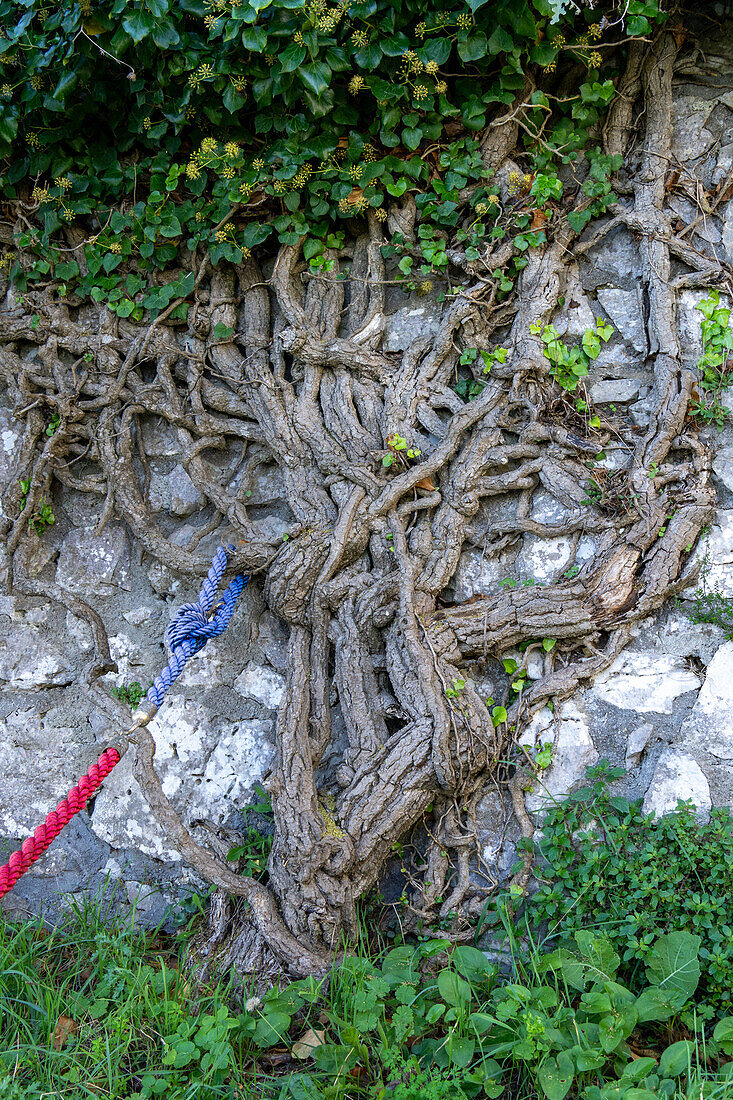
304, 384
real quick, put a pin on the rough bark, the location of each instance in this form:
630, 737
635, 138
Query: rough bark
305, 382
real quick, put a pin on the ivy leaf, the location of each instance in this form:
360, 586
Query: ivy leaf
474, 47
292, 57
578, 219
67, 81
500, 41
172, 228
412, 137
254, 38
436, 49
395, 45
315, 76
165, 35
368, 57
139, 24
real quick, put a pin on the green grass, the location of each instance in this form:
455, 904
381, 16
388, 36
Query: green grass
125, 993
98, 1008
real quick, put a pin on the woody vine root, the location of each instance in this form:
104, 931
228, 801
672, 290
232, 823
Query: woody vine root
304, 381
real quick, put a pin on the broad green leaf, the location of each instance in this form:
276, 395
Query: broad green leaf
138, 24
598, 951
677, 1058
291, 57
673, 964
473, 964
723, 1034
656, 1005
452, 988
461, 1051
639, 1069
315, 76
556, 1075
271, 1029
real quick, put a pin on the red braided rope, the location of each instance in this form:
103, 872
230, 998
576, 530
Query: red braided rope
76, 800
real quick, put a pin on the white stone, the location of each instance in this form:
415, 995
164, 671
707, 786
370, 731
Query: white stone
690, 137
684, 638
39, 762
608, 391
206, 670
126, 655
542, 558
723, 466
162, 580
9, 436
689, 322
262, 684
718, 549
677, 776
624, 307
645, 682
573, 752
205, 767
79, 632
406, 325
159, 438
138, 615
474, 574
91, 564
174, 493
638, 741
29, 661
710, 725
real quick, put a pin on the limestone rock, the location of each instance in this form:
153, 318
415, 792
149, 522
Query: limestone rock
710, 725
573, 752
638, 741
645, 682
718, 550
94, 565
723, 466
261, 684
475, 573
677, 776
624, 307
174, 493
614, 390
9, 438
615, 263
407, 325
39, 762
206, 767
29, 661
159, 438
683, 638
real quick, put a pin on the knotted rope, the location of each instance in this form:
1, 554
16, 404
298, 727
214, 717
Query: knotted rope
193, 626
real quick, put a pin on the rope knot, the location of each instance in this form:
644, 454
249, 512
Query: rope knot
192, 625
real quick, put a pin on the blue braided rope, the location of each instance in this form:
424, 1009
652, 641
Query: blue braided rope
194, 624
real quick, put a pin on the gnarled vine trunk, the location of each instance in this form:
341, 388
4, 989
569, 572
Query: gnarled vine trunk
305, 381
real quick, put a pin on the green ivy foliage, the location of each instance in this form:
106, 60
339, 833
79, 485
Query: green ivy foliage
165, 126
610, 866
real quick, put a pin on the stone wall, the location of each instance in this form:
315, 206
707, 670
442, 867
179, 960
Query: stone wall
664, 710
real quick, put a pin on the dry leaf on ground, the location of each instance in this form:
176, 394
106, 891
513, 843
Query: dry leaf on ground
65, 1028
308, 1043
